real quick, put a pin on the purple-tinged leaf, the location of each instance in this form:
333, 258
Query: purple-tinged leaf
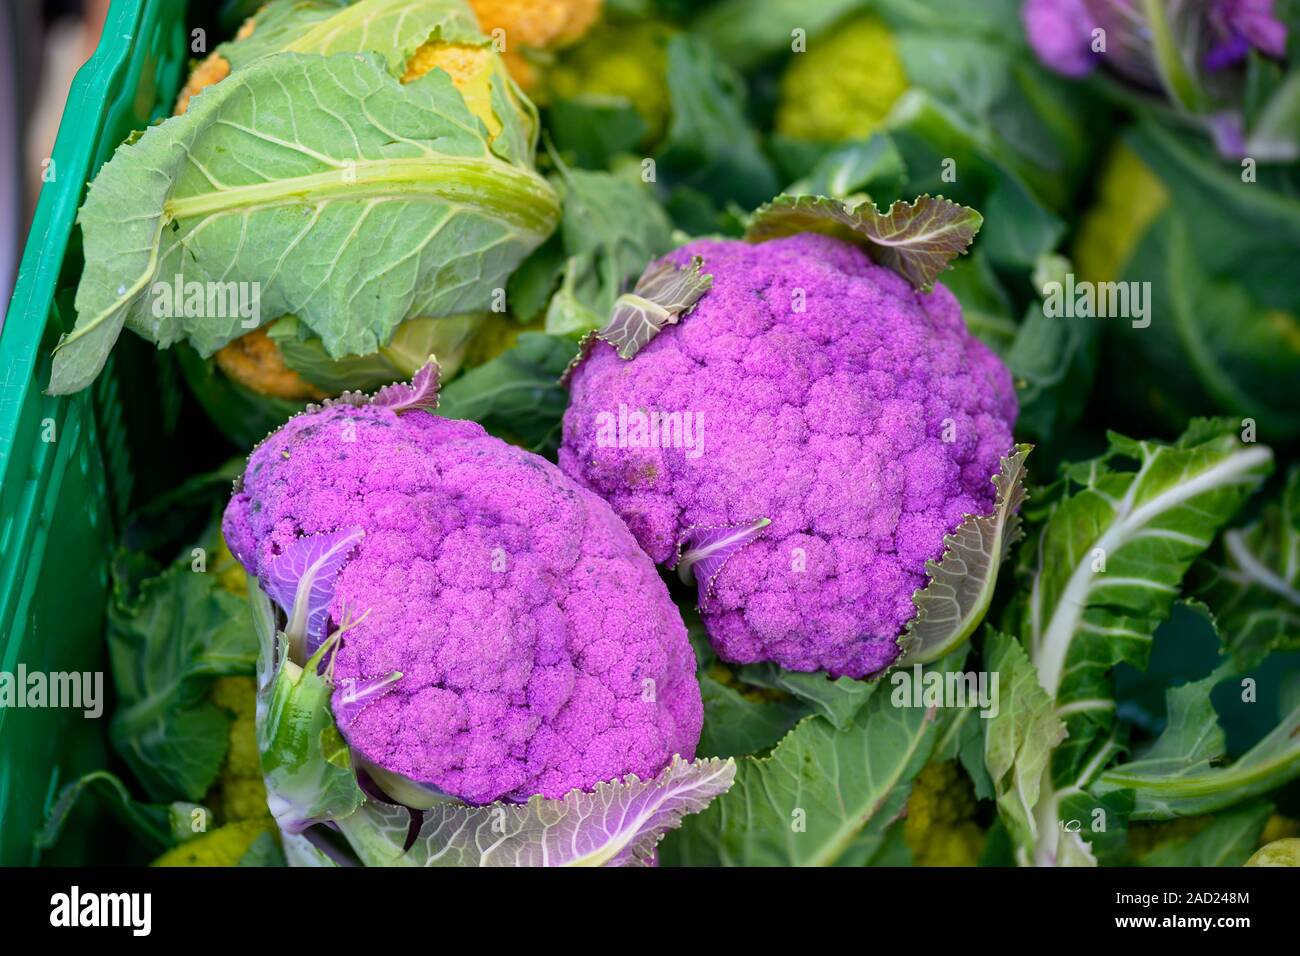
357, 693
663, 294
618, 823
917, 240
422, 393
1129, 38
960, 586
388, 786
301, 580
702, 551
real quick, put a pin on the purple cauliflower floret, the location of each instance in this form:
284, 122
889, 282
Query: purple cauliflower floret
538, 647
1060, 33
827, 395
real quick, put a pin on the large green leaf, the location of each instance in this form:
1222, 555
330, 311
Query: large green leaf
1106, 567
1101, 574
1246, 228
837, 700
154, 826
1215, 343
1053, 361
610, 229
988, 19
1019, 740
1228, 840
985, 304
167, 644
617, 823
743, 33
1251, 582
1245, 356
945, 154
1183, 772
821, 795
279, 177
710, 146
392, 28
736, 724
873, 167
956, 597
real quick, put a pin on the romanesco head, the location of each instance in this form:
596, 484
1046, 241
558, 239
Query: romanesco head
239, 793
940, 828
627, 62
230, 573
843, 86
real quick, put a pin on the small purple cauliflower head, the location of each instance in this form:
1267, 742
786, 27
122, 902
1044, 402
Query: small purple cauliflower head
1060, 34
817, 390
538, 647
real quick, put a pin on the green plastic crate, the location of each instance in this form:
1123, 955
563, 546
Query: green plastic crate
65, 471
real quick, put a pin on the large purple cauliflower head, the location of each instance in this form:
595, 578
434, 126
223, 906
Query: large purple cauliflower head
820, 391
538, 647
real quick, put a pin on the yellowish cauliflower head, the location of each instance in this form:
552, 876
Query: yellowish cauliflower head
214, 69
540, 24
533, 25
239, 793
470, 68
1129, 197
224, 846
255, 362
230, 573
843, 86
1278, 853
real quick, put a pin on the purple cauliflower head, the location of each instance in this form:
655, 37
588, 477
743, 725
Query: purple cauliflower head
538, 647
820, 391
1238, 26
1060, 33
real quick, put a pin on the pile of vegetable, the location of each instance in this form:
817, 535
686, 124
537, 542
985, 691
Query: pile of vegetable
657, 439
